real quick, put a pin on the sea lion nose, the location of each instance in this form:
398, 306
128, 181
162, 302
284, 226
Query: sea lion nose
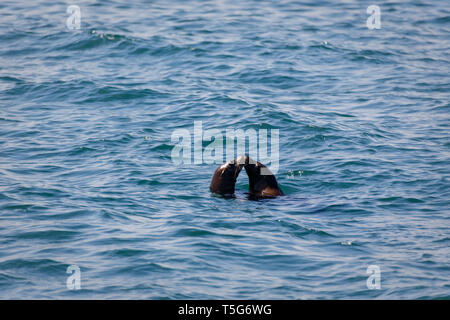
247, 160
242, 160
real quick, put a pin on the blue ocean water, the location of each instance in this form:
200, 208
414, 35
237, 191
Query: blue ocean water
87, 178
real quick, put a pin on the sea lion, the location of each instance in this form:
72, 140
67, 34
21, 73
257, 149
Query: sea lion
263, 183
224, 178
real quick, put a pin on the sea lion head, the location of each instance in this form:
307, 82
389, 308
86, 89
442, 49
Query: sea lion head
262, 182
224, 178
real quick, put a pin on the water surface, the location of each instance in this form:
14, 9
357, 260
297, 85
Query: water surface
87, 179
